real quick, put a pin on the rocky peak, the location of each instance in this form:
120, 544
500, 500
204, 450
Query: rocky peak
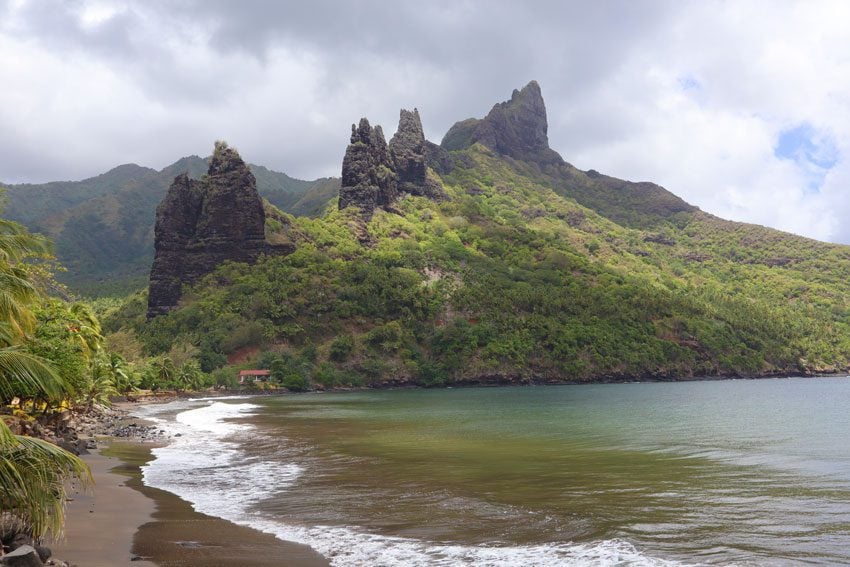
374, 174
201, 223
232, 209
408, 149
368, 179
517, 128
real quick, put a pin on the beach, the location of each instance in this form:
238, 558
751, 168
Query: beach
122, 522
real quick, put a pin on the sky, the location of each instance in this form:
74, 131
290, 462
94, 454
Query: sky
741, 107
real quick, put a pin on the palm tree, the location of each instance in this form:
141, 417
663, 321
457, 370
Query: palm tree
86, 328
101, 384
191, 377
123, 377
33, 472
33, 475
160, 373
17, 291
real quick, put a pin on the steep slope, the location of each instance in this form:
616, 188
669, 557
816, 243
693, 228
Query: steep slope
517, 129
512, 278
313, 202
103, 227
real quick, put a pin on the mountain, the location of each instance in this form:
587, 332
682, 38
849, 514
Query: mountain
521, 268
517, 130
204, 222
103, 227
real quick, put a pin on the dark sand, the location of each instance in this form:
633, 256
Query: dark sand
100, 524
124, 518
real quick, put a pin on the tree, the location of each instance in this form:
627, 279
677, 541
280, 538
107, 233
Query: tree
33, 472
123, 376
101, 383
190, 376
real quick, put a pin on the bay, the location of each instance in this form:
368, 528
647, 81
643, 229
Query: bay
713, 472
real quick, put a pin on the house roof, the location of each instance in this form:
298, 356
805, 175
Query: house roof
254, 372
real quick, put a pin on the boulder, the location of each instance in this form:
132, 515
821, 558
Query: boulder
18, 540
24, 556
10, 527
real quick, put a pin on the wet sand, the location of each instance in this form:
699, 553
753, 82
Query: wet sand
100, 524
124, 520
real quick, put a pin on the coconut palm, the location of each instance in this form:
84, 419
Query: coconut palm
33, 475
123, 376
100, 386
190, 376
33, 472
162, 372
17, 291
86, 329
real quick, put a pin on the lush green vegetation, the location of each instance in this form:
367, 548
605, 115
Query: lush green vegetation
33, 473
53, 359
514, 279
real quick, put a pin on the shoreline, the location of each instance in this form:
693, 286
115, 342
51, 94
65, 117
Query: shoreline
121, 521
100, 523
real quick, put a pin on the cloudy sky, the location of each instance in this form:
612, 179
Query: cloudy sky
741, 108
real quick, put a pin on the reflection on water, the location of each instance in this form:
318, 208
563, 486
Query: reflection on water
715, 472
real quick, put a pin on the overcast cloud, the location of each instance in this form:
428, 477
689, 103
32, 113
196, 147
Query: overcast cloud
741, 108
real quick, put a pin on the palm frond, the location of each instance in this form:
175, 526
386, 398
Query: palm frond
33, 477
18, 368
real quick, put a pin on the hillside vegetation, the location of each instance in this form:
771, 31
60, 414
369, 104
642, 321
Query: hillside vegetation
515, 278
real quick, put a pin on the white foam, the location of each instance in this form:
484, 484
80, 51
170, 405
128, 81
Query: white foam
206, 466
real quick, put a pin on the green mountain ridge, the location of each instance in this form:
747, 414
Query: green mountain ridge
529, 271
525, 269
103, 226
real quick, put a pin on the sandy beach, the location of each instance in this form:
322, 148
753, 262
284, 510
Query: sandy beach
123, 522
101, 523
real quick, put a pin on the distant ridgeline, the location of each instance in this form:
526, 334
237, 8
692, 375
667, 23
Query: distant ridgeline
103, 227
485, 259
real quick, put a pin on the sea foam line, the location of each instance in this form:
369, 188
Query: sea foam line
205, 466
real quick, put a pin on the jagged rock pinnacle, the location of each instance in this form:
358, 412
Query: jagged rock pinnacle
374, 174
202, 223
408, 149
517, 128
368, 180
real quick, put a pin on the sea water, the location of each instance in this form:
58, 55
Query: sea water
718, 472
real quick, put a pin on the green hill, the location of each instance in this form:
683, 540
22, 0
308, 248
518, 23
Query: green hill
526, 270
498, 262
103, 226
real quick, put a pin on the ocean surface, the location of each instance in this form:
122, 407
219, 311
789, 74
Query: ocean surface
739, 472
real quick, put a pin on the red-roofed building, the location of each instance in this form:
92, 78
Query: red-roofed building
246, 376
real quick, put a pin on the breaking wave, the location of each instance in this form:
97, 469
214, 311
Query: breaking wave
206, 466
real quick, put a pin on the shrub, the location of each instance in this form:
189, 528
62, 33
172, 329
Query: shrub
341, 347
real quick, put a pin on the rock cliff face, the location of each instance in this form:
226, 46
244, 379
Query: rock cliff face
375, 174
368, 179
202, 223
408, 151
517, 128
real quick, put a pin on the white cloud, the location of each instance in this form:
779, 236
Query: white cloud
691, 95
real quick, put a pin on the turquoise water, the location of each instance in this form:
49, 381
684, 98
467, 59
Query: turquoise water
718, 472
